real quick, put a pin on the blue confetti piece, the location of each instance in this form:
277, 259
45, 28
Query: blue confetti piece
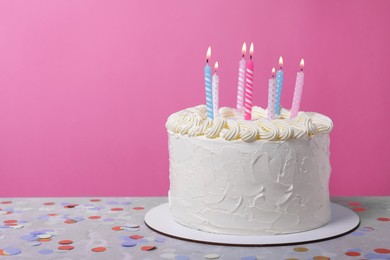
357, 233
126, 203
128, 244
376, 256
12, 251
112, 202
45, 251
28, 238
108, 219
159, 239
251, 257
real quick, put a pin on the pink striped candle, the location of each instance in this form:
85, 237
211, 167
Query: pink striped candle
271, 96
298, 91
215, 86
249, 86
241, 80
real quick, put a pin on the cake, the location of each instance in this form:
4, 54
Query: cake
249, 177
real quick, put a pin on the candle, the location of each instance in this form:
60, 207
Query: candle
271, 96
298, 91
279, 84
208, 86
215, 86
249, 86
241, 80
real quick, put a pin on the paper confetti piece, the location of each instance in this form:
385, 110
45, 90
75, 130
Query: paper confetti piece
382, 250
99, 249
94, 217
116, 209
136, 237
138, 208
117, 228
148, 248
65, 247
211, 256
301, 249
45, 251
65, 242
352, 253
383, 219
128, 244
12, 251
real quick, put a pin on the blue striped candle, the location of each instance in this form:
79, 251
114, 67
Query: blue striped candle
208, 86
279, 84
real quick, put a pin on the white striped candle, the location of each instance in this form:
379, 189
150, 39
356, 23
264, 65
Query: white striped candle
249, 86
208, 86
271, 96
298, 91
241, 80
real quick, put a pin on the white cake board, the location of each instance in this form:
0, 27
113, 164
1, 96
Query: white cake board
343, 221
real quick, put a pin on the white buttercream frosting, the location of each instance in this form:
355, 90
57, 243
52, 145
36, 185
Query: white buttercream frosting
256, 177
231, 126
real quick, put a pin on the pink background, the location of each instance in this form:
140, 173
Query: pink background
86, 86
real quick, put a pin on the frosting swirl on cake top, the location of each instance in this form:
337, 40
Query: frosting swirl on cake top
231, 126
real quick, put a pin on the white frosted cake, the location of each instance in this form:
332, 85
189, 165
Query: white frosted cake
257, 177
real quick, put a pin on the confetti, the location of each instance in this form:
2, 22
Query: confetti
383, 219
65, 242
136, 237
159, 239
382, 250
45, 251
117, 228
95, 200
211, 256
48, 203
94, 217
128, 244
352, 253
138, 208
99, 249
116, 209
358, 209
301, 249
148, 248
12, 251
65, 247
7, 221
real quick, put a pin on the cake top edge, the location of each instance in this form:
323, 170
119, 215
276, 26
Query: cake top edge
230, 124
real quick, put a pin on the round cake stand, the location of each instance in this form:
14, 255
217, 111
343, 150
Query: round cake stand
342, 221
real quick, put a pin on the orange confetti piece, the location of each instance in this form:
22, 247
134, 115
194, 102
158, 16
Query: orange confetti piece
148, 248
65, 247
65, 242
70, 221
7, 221
44, 240
358, 209
94, 217
138, 208
99, 249
382, 250
117, 209
136, 237
383, 219
352, 253
117, 228
69, 206
48, 203
52, 215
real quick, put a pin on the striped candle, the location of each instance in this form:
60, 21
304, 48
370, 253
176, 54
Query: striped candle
249, 86
241, 80
215, 86
298, 91
208, 86
271, 96
279, 84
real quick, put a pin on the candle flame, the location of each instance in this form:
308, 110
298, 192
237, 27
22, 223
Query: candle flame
302, 64
216, 66
281, 61
243, 49
208, 55
251, 49
273, 72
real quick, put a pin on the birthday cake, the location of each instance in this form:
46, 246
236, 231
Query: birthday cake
249, 177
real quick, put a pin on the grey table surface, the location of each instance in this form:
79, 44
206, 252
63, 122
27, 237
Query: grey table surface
37, 228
